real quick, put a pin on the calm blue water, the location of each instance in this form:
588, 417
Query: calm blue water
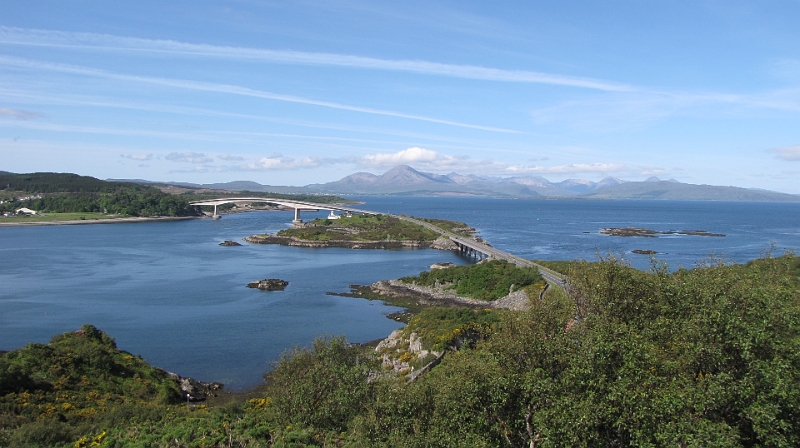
169, 292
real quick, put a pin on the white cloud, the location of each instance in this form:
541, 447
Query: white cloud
18, 114
788, 153
278, 162
139, 157
230, 158
416, 156
188, 157
105, 42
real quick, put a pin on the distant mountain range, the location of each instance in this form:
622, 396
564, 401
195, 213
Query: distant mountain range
404, 180
238, 185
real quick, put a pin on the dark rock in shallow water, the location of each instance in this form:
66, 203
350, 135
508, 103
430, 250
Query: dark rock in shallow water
229, 243
269, 284
644, 252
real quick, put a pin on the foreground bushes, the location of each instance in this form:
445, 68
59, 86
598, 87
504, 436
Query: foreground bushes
707, 357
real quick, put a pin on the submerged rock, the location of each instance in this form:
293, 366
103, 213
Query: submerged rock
269, 284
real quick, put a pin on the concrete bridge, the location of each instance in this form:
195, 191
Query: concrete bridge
298, 206
467, 246
480, 250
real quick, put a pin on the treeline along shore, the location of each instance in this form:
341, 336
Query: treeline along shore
64, 198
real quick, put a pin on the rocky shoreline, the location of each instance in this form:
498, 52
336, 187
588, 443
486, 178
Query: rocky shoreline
440, 243
195, 391
98, 221
426, 296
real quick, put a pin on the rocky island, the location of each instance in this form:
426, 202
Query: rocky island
269, 284
366, 232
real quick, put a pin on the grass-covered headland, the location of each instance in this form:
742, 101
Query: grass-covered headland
702, 357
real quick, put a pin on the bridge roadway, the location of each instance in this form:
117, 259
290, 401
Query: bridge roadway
298, 206
467, 245
477, 247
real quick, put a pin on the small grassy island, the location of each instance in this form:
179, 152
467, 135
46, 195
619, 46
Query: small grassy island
700, 357
364, 232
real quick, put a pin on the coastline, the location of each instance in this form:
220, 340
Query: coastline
99, 221
438, 243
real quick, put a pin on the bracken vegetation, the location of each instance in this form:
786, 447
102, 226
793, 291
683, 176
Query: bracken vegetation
701, 357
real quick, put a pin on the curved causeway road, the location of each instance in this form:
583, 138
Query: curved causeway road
549, 275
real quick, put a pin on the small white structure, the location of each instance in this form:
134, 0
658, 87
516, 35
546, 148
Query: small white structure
25, 211
333, 216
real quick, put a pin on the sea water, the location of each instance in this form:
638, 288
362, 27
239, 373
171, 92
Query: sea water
168, 292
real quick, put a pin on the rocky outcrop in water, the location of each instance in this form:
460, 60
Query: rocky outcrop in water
229, 243
269, 284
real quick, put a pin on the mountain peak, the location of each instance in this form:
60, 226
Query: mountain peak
405, 175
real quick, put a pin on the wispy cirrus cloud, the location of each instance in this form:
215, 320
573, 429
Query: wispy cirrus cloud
234, 90
106, 42
788, 153
18, 114
188, 157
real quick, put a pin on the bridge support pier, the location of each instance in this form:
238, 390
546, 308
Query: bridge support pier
215, 215
297, 219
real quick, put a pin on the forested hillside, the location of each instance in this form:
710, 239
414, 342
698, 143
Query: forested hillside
65, 193
702, 357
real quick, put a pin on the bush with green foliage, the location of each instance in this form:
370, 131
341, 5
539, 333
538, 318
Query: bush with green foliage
490, 280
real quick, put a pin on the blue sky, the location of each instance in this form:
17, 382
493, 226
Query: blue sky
293, 93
